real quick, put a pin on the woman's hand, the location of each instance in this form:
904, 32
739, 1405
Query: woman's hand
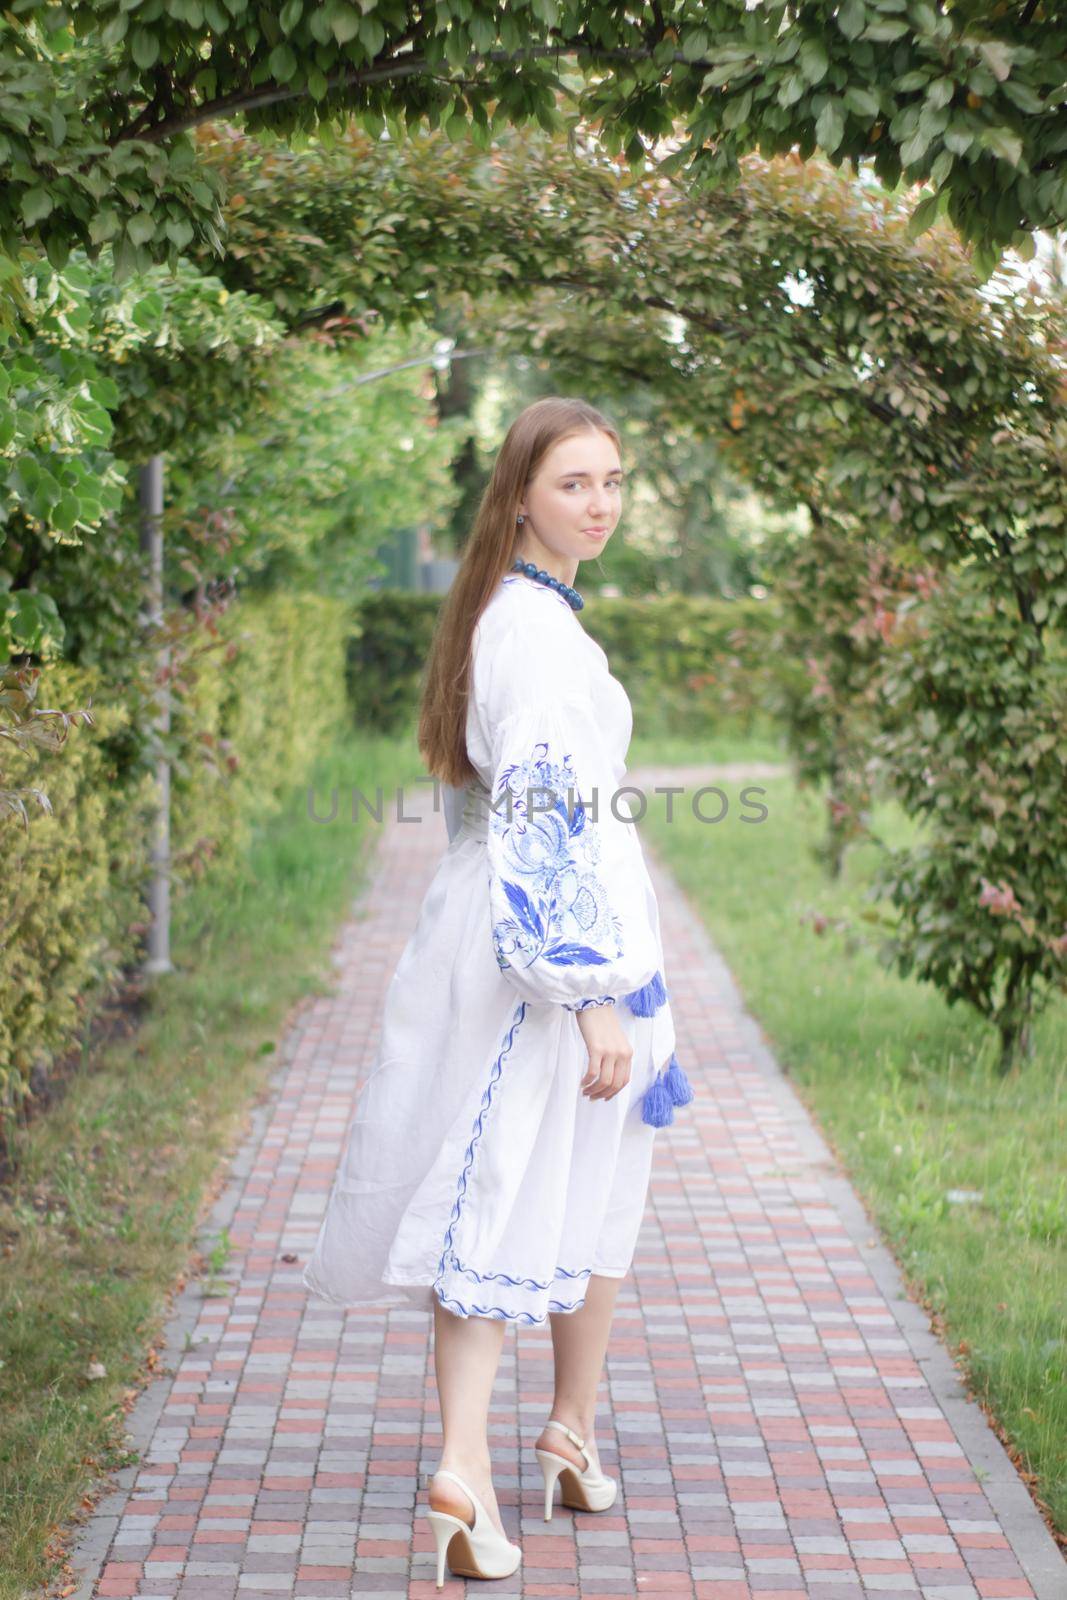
610, 1052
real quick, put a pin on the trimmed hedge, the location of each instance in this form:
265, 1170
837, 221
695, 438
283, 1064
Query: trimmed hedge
69, 889
679, 658
257, 726
246, 731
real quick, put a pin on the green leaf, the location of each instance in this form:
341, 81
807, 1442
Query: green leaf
984, 261
57, 249
28, 473
1021, 95
940, 92
720, 74
124, 254
141, 227
45, 494
36, 203
735, 113
96, 425
371, 36
344, 21
851, 18
885, 32
26, 619
282, 63
105, 390
924, 215
941, 168
147, 311
915, 148
813, 60
998, 57
791, 89
103, 225
65, 512
114, 30
1003, 143
861, 101
179, 231
958, 137
144, 47
830, 126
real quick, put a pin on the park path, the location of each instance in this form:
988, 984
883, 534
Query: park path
784, 1422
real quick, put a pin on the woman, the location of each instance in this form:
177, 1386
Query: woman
498, 1161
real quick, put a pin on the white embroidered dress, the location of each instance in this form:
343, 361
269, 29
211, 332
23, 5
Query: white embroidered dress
475, 1170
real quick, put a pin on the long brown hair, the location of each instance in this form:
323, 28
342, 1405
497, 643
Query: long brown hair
489, 553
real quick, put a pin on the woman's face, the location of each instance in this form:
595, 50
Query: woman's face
574, 500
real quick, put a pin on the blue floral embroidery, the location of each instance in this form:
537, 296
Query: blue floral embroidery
476, 1133
559, 908
449, 1259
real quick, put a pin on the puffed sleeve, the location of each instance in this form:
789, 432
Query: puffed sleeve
569, 914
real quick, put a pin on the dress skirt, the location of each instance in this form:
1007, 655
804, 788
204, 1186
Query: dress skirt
475, 1171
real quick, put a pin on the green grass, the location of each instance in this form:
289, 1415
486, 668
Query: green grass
96, 1227
906, 1091
762, 744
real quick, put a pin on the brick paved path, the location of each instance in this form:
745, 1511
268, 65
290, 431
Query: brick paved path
786, 1424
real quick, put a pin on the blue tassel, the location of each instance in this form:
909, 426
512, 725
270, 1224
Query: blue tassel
656, 1105
678, 1086
646, 1001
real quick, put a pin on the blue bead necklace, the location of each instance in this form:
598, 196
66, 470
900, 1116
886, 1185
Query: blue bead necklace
572, 597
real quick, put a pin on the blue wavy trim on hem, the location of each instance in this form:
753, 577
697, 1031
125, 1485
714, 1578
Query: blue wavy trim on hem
498, 1311
519, 1283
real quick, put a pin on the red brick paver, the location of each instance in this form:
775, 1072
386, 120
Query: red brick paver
783, 1422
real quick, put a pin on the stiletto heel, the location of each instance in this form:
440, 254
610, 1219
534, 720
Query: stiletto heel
443, 1527
581, 1488
473, 1551
551, 1467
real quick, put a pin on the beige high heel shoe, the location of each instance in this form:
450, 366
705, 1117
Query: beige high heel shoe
478, 1551
582, 1489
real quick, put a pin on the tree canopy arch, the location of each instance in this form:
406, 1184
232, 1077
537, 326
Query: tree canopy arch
841, 358
841, 361
99, 98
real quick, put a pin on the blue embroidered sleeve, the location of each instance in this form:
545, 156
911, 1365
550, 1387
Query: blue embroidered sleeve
569, 912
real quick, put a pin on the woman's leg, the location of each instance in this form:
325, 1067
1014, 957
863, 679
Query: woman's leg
466, 1356
579, 1345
